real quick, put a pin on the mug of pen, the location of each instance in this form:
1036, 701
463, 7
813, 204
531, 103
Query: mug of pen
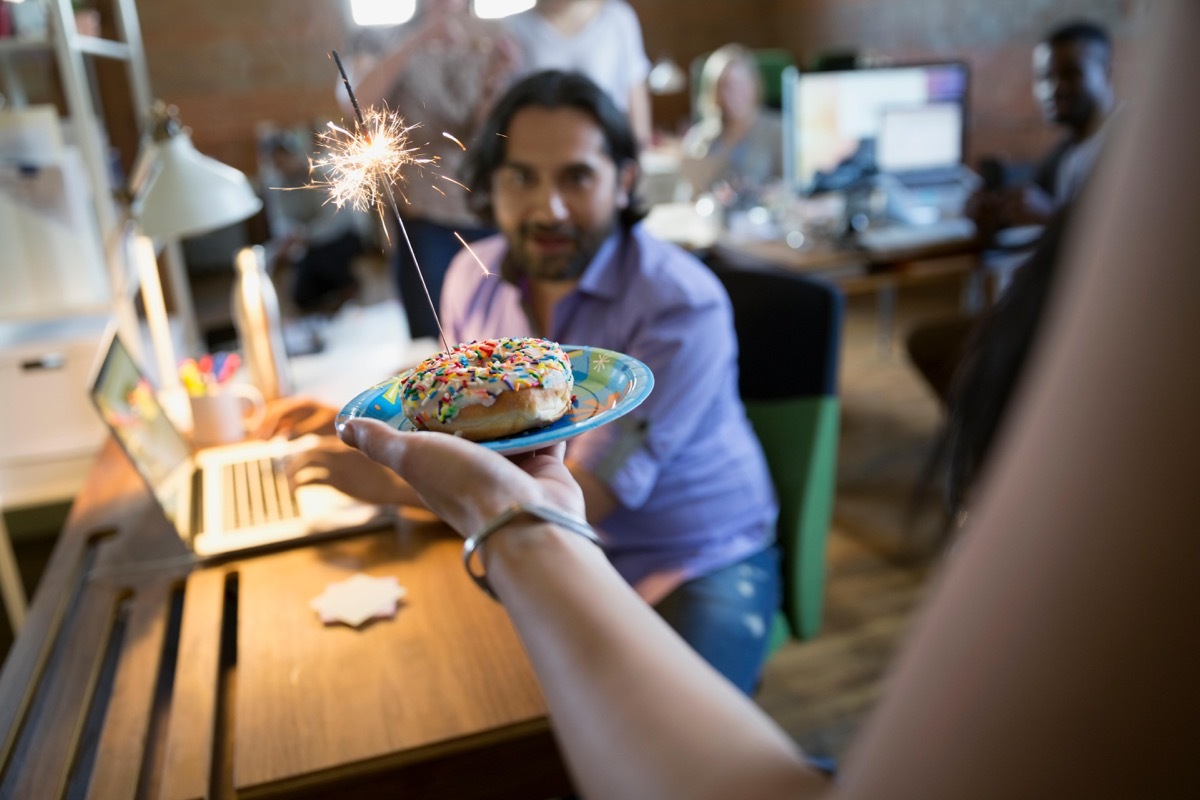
222, 411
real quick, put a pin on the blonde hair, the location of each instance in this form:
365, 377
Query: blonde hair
714, 67
707, 129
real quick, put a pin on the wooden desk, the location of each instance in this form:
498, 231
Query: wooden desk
139, 674
859, 271
856, 270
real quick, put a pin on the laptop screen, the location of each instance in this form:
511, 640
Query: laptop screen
128, 406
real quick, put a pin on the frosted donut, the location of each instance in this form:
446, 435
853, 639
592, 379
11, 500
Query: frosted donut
489, 388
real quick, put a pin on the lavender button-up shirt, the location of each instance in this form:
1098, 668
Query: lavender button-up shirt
691, 482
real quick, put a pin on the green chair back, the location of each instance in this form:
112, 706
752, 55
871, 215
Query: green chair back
800, 438
789, 343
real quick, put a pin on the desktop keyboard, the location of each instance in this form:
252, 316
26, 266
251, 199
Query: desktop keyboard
908, 237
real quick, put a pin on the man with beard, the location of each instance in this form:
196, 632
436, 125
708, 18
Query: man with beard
679, 488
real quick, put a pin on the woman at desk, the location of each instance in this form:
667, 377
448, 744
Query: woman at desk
1056, 654
736, 147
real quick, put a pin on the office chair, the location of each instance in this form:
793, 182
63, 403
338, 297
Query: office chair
789, 330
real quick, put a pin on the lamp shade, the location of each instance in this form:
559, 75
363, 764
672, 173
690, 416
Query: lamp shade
187, 193
666, 77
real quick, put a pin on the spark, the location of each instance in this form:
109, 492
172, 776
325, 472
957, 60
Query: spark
456, 183
478, 260
453, 139
358, 168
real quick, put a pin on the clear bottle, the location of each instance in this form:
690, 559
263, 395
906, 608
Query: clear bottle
259, 327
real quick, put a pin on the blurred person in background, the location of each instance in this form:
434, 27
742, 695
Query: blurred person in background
314, 238
600, 38
442, 75
1072, 69
736, 146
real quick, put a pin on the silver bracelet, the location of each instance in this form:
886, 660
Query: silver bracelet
553, 515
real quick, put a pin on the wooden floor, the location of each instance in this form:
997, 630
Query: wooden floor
821, 690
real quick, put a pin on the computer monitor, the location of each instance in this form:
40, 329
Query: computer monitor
842, 125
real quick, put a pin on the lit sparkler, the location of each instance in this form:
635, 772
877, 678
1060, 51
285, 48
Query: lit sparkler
359, 168
362, 166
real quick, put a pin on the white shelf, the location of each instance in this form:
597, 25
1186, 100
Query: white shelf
89, 45
25, 45
41, 318
105, 48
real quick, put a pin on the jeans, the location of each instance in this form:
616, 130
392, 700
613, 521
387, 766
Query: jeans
726, 616
435, 247
322, 279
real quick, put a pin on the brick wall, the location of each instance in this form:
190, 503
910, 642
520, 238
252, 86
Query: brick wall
230, 64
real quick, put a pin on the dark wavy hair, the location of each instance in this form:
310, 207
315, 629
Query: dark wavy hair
1082, 31
549, 89
996, 356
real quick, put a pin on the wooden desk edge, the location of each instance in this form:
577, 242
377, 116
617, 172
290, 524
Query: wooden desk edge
528, 738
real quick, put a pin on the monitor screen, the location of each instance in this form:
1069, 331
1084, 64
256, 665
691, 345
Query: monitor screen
844, 124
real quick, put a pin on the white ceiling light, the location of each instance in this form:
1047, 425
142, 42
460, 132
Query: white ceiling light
495, 9
382, 12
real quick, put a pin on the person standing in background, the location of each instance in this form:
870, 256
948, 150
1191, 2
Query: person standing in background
600, 38
442, 75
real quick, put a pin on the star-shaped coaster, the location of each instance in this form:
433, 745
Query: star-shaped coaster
358, 599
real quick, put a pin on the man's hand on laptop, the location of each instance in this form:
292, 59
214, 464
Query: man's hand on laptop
292, 417
330, 462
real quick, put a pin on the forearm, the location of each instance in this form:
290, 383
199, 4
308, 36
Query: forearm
639, 114
636, 712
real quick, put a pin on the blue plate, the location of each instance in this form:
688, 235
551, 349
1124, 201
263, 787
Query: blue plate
608, 385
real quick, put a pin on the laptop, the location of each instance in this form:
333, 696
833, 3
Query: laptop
224, 499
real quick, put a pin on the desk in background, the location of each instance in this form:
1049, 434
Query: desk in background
880, 270
362, 346
140, 674
859, 271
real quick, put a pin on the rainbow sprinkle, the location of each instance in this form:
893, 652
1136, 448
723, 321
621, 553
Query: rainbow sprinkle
476, 372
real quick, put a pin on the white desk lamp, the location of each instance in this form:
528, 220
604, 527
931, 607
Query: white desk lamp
176, 191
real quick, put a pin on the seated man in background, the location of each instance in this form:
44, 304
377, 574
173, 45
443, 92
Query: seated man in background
736, 147
679, 488
314, 237
1073, 83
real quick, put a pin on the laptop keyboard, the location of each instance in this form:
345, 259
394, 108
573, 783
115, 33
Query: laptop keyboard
256, 493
